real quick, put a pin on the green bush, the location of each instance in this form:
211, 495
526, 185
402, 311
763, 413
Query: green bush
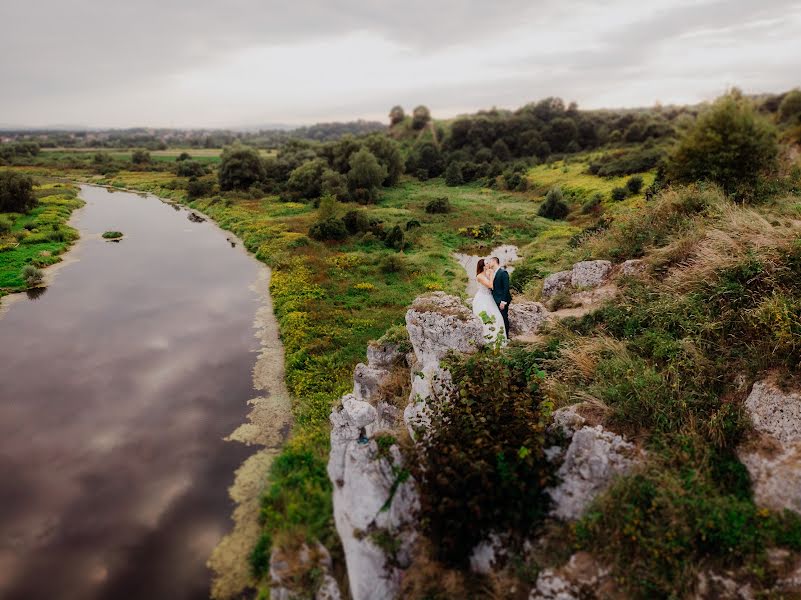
634, 184
16, 192
554, 206
438, 206
240, 167
356, 221
730, 144
198, 188
482, 462
112, 235
366, 175
790, 107
394, 263
140, 157
412, 224
619, 193
619, 163
593, 205
5, 224
420, 117
453, 174
190, 168
522, 275
329, 229
32, 276
395, 238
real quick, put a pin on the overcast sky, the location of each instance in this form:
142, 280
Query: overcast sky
220, 63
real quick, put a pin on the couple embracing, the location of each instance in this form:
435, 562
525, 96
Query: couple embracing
491, 302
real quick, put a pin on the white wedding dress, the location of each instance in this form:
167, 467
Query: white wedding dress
485, 308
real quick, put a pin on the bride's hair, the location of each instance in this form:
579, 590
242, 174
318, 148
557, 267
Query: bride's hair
480, 266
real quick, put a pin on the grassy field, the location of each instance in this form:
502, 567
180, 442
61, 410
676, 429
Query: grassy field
38, 237
203, 155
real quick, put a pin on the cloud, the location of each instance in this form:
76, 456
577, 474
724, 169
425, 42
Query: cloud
250, 61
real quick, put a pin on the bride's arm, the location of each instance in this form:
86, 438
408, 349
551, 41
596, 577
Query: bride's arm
484, 280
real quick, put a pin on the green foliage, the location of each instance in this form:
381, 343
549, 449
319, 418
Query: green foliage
240, 168
366, 174
593, 205
482, 462
393, 263
438, 206
331, 228
619, 193
396, 115
5, 224
554, 206
420, 117
140, 157
453, 174
190, 168
306, 181
790, 107
522, 275
634, 184
335, 184
356, 221
626, 162
425, 160
112, 235
31, 275
16, 192
388, 153
730, 144
197, 188
395, 238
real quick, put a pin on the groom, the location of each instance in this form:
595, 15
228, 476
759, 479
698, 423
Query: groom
500, 291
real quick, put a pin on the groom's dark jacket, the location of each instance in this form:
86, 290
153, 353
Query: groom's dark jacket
500, 287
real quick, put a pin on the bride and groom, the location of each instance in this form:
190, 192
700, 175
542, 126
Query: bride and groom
491, 302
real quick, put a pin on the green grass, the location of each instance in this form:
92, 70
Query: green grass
38, 237
112, 235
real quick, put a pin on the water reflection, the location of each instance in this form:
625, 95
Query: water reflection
116, 389
35, 293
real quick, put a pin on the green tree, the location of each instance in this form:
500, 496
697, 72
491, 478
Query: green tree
307, 180
790, 108
453, 174
425, 158
554, 206
190, 168
388, 153
240, 168
140, 157
396, 115
420, 117
16, 192
335, 184
730, 144
365, 176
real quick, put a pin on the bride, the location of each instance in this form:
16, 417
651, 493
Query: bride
484, 305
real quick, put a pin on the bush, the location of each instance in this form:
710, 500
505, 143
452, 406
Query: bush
482, 462
522, 275
190, 168
335, 184
790, 108
593, 205
356, 221
395, 238
32, 276
420, 117
412, 224
140, 157
183, 156
197, 188
306, 181
554, 206
634, 184
394, 263
112, 235
396, 115
730, 144
421, 174
621, 163
331, 228
453, 174
240, 168
365, 176
5, 224
619, 193
438, 206
16, 192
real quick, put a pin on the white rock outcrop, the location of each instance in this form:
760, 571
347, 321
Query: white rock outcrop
773, 458
555, 283
632, 267
287, 567
589, 273
582, 578
367, 382
526, 318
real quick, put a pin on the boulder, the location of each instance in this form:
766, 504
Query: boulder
384, 356
717, 586
288, 568
581, 578
590, 273
632, 267
773, 456
367, 382
555, 283
484, 556
526, 318
594, 457
438, 323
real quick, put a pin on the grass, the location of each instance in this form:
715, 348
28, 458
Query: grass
202, 155
39, 237
112, 235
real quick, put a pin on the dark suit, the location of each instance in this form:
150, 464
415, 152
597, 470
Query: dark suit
501, 293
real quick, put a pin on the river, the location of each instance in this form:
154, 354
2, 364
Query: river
117, 387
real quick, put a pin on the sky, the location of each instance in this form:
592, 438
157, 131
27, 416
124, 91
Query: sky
238, 63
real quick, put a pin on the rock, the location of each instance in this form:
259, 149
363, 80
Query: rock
328, 590
589, 273
593, 458
484, 556
288, 567
353, 420
438, 323
773, 457
367, 382
581, 578
555, 283
568, 420
416, 417
715, 586
526, 318
632, 267
384, 356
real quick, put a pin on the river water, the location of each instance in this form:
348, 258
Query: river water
117, 387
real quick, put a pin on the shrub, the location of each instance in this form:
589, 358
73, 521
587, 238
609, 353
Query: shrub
593, 205
412, 224
16, 192
730, 144
453, 174
395, 238
790, 108
356, 221
197, 188
5, 224
32, 276
482, 462
396, 115
485, 231
365, 176
183, 156
240, 168
438, 206
190, 168
334, 183
634, 184
112, 235
140, 157
522, 275
306, 180
421, 174
554, 206
420, 117
329, 229
394, 263
619, 193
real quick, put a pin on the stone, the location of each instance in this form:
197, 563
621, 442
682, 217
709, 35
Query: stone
594, 457
568, 420
555, 283
384, 356
438, 323
328, 590
484, 556
632, 267
348, 423
716, 586
288, 566
589, 273
773, 456
526, 318
367, 382
581, 578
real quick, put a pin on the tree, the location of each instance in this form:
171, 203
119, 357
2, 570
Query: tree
396, 115
366, 174
140, 157
190, 168
790, 107
307, 180
420, 117
500, 150
554, 206
183, 156
240, 168
730, 144
388, 153
16, 192
335, 184
453, 174
425, 157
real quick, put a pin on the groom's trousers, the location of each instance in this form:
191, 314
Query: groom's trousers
505, 315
